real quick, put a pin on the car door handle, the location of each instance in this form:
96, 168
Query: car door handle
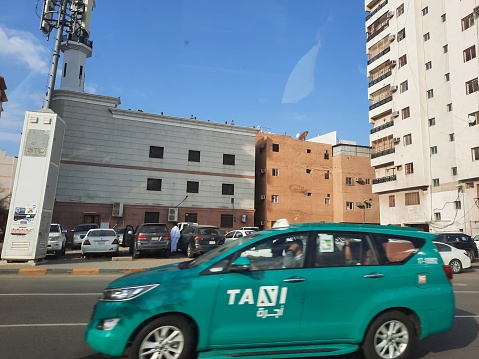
294, 280
374, 275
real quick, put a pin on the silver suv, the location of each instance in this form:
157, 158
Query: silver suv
57, 240
80, 231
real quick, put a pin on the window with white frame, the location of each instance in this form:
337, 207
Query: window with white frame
409, 168
392, 201
475, 153
349, 181
407, 139
275, 172
426, 36
447, 77
432, 121
451, 137
403, 87
457, 204
449, 107
401, 34
430, 93
443, 17
469, 53
349, 206
454, 171
467, 21
411, 198
405, 113
428, 65
472, 86
445, 48
402, 61
437, 216
327, 201
274, 198
433, 150
435, 182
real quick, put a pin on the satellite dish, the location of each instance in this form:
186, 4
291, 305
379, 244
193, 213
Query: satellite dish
302, 137
297, 135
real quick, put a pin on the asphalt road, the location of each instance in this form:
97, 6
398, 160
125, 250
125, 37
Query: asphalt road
45, 317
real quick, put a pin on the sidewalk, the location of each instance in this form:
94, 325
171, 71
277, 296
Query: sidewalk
72, 263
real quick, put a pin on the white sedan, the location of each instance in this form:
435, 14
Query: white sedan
100, 241
456, 258
232, 235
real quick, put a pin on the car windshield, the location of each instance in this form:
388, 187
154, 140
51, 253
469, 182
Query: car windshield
85, 227
209, 231
217, 251
54, 228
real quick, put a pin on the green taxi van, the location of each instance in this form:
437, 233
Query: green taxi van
294, 291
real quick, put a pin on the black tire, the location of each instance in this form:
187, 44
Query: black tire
391, 335
190, 252
456, 266
181, 343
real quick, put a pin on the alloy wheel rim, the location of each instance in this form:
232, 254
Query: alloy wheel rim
391, 339
456, 267
163, 342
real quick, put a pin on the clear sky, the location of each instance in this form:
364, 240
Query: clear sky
287, 66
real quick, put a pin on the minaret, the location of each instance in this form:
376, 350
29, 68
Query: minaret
77, 47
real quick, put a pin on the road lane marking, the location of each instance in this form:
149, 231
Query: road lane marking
43, 325
467, 291
466, 316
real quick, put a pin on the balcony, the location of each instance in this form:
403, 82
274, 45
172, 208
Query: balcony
380, 78
372, 13
379, 103
384, 179
377, 32
377, 56
83, 39
383, 153
382, 127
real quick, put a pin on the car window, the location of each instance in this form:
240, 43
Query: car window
343, 249
396, 249
154, 229
209, 231
85, 227
442, 247
102, 233
230, 235
285, 251
55, 228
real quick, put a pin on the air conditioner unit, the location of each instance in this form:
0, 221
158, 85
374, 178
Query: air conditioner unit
263, 170
117, 210
392, 63
476, 10
359, 204
397, 139
395, 113
172, 214
261, 223
390, 14
263, 196
391, 38
393, 88
359, 179
244, 218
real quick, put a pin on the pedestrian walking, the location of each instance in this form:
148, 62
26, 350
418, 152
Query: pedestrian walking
175, 236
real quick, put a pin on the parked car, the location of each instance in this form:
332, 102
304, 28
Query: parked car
458, 259
2, 235
100, 241
57, 240
232, 235
394, 290
460, 241
120, 232
80, 231
476, 239
148, 238
183, 225
256, 229
197, 239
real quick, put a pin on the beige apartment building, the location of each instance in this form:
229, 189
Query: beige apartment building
310, 181
8, 166
424, 106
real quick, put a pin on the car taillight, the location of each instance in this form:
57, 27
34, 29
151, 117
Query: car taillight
448, 270
115, 241
142, 237
167, 236
86, 242
198, 238
467, 254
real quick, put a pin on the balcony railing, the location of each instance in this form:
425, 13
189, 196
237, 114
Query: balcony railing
377, 32
384, 179
380, 78
81, 39
377, 56
382, 127
383, 153
372, 13
379, 103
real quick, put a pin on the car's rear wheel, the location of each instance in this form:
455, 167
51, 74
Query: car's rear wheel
390, 336
190, 252
456, 266
167, 337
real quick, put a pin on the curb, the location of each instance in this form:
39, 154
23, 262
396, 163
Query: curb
75, 271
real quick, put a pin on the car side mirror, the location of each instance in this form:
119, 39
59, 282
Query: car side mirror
241, 264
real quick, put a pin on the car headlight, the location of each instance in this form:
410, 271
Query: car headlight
127, 293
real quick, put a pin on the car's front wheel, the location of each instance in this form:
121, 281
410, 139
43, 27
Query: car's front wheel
390, 336
167, 337
456, 266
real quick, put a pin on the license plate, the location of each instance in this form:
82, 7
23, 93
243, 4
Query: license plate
212, 242
155, 238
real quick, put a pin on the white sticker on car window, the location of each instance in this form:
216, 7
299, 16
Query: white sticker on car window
427, 261
326, 243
